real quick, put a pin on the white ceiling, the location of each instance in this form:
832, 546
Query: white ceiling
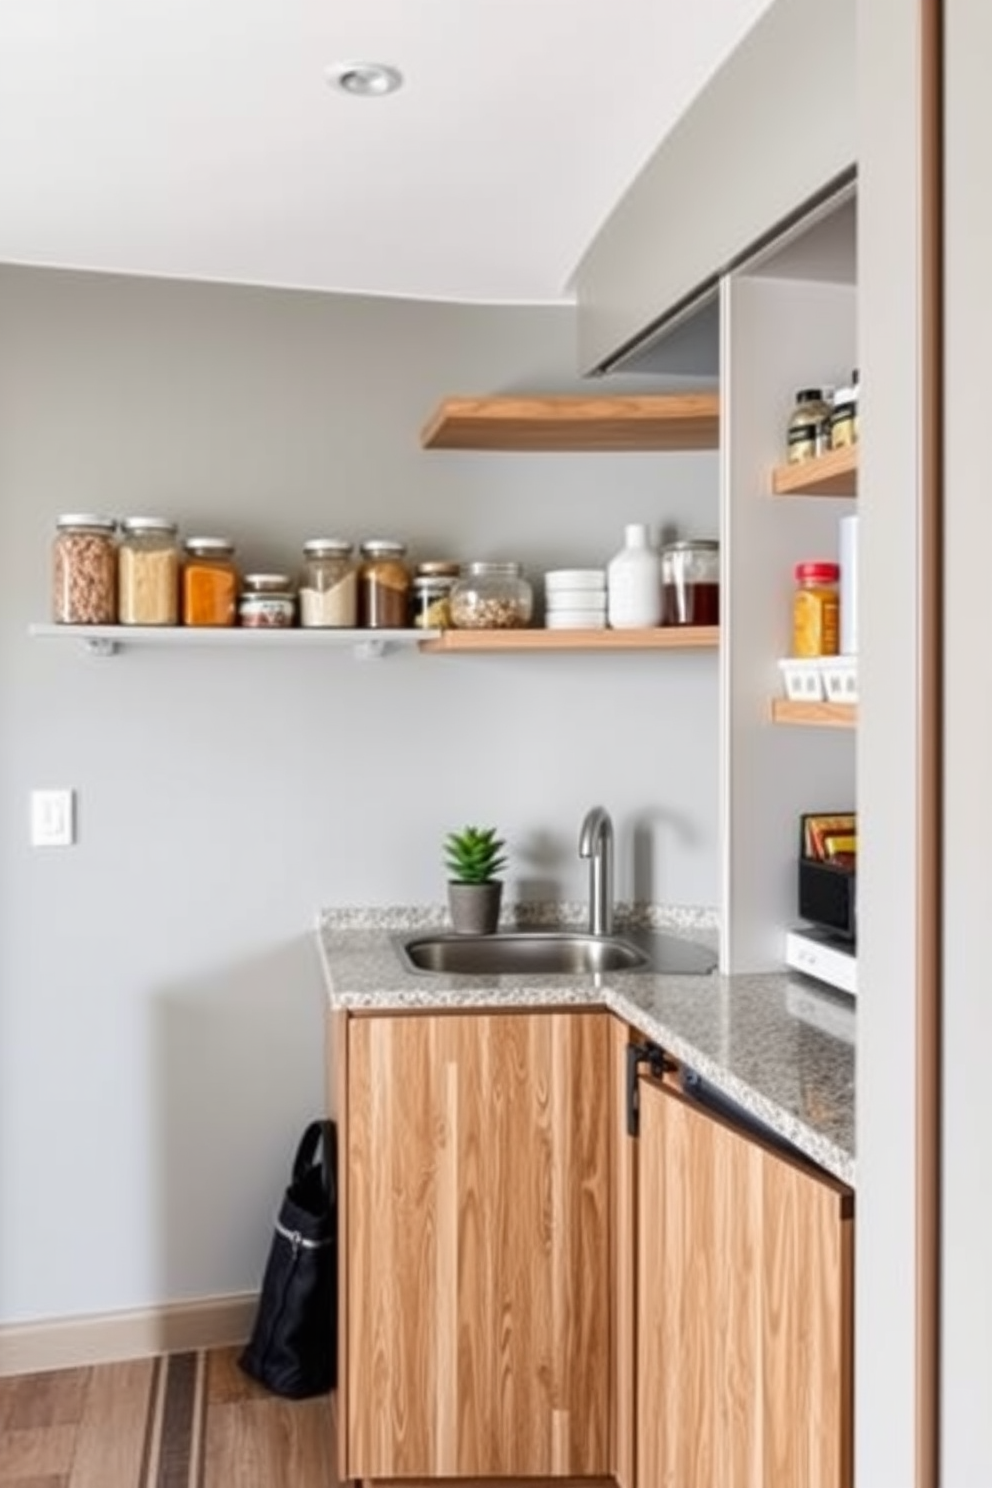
199, 138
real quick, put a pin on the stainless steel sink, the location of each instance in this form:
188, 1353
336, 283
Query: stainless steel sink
539, 952
551, 953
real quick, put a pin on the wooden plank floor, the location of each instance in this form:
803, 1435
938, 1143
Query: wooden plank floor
189, 1421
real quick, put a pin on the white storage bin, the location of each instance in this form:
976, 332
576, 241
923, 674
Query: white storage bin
840, 678
803, 678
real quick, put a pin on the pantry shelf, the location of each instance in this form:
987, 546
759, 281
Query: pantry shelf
461, 642
107, 640
814, 715
832, 474
659, 421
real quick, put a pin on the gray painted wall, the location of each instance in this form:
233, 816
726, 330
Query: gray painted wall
160, 1000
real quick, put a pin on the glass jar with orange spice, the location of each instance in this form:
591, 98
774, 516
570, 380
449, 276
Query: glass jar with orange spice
210, 582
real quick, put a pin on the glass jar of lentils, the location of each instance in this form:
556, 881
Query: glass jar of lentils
84, 570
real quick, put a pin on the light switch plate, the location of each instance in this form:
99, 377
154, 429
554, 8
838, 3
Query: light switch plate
53, 818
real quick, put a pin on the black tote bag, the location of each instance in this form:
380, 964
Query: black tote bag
293, 1345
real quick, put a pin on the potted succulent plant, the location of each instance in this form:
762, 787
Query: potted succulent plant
473, 858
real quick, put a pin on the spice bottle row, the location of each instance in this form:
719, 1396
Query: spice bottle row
135, 571
823, 418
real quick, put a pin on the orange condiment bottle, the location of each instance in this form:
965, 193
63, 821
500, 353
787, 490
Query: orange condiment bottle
816, 610
210, 582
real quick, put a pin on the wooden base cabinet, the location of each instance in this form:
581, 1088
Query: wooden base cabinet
744, 1307
475, 1246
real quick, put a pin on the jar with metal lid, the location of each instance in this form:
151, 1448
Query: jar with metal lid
148, 572
844, 415
383, 585
328, 584
266, 583
210, 582
491, 596
816, 610
266, 609
809, 426
690, 582
430, 606
84, 570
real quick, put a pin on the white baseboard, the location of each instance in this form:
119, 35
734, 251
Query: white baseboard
104, 1338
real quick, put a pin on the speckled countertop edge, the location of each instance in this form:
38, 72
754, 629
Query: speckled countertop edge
776, 1044
682, 919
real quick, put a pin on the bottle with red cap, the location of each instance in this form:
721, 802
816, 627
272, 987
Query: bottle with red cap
816, 609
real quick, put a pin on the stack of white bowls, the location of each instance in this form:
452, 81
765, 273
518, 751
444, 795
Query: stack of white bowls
575, 599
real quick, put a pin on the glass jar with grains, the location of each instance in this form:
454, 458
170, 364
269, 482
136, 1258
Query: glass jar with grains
328, 584
383, 585
210, 582
491, 596
148, 572
809, 426
433, 582
84, 571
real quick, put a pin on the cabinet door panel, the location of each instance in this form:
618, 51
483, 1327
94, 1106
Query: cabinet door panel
744, 1286
478, 1280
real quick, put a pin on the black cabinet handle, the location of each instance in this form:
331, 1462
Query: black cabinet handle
638, 1054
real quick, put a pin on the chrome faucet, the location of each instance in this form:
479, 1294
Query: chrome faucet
596, 844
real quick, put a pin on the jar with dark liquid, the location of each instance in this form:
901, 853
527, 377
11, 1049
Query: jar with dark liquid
690, 583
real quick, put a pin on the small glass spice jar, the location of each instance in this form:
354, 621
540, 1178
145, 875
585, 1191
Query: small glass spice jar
430, 604
492, 596
148, 572
816, 610
209, 582
809, 426
84, 570
266, 609
690, 582
384, 581
844, 415
328, 584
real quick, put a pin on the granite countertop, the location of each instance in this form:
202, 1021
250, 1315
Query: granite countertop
777, 1044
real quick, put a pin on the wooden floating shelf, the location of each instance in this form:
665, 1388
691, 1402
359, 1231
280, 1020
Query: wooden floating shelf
673, 638
815, 715
658, 421
832, 474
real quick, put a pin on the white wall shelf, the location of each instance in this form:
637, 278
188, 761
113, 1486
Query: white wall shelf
107, 640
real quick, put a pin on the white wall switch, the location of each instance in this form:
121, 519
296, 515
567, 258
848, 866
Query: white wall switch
53, 818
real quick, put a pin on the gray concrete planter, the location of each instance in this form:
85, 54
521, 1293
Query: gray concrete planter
475, 907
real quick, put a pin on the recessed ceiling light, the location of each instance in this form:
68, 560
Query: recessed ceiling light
364, 79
